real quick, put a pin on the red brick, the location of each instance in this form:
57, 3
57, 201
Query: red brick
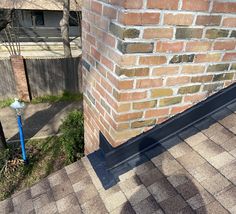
128, 117
194, 98
95, 54
96, 7
229, 22
129, 96
167, 4
109, 12
91, 39
18, 68
171, 47
178, 19
201, 5
156, 112
198, 46
150, 18
229, 57
193, 69
149, 83
139, 18
127, 3
179, 109
208, 20
224, 7
106, 85
153, 33
162, 71
172, 81
109, 64
152, 60
224, 45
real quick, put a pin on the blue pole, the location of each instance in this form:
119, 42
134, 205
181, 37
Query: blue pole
22, 140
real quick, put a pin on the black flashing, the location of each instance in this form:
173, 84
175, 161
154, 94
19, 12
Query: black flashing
133, 147
109, 163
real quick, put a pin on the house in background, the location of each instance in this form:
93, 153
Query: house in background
39, 27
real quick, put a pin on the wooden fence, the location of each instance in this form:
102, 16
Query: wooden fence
7, 81
45, 76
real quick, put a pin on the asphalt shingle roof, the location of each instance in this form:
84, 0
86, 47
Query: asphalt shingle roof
195, 172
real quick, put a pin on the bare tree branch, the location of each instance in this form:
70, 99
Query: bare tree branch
64, 23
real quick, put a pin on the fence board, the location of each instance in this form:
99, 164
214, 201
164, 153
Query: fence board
53, 76
7, 81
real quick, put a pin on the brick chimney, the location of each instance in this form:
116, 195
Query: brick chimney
145, 61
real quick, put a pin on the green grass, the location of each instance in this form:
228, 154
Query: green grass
5, 103
66, 96
45, 156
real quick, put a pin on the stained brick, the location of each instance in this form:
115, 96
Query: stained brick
161, 92
135, 47
122, 32
143, 123
91, 98
189, 89
104, 104
233, 34
217, 67
213, 87
208, 20
144, 105
132, 72
221, 77
188, 33
182, 58
170, 101
202, 79
216, 33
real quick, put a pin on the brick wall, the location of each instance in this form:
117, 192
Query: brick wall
147, 60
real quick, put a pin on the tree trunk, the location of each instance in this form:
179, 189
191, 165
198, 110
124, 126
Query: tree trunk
64, 23
3, 144
5, 18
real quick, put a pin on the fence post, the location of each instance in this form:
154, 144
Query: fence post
19, 72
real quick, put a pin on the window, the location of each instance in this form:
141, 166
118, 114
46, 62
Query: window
37, 18
73, 20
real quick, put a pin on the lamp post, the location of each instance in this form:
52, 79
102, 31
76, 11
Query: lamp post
18, 107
